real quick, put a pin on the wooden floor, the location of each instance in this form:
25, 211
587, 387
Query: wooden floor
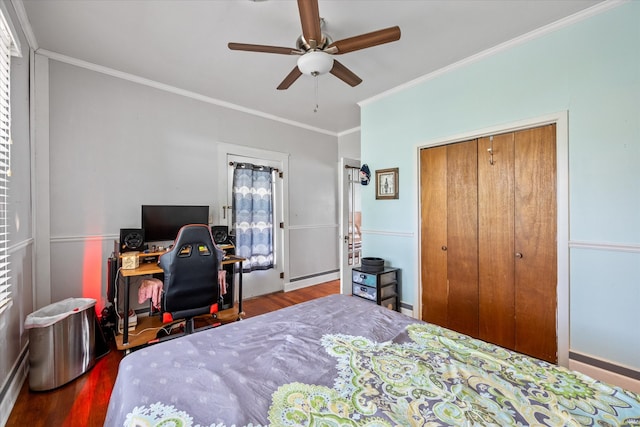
83, 402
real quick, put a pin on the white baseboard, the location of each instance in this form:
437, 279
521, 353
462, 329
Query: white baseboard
13, 389
606, 376
406, 311
316, 280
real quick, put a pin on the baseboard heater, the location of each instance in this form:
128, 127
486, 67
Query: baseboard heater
311, 276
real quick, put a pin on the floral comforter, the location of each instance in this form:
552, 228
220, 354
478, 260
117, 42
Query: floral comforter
343, 361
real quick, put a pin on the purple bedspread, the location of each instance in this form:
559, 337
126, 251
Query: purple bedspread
228, 374
341, 360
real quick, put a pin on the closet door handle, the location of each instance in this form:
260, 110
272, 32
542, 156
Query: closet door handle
518, 255
444, 248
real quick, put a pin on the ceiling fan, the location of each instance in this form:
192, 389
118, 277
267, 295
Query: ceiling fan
316, 48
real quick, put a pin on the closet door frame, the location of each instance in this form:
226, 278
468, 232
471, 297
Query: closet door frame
562, 198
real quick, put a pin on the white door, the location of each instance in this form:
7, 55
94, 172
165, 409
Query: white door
264, 281
350, 221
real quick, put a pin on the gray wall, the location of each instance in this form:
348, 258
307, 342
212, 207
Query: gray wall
115, 145
349, 144
13, 337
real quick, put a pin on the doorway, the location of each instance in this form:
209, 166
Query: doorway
266, 281
350, 221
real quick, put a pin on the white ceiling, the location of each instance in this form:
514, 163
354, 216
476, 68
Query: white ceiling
183, 44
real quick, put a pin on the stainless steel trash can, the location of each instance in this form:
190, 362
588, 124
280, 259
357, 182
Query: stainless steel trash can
61, 342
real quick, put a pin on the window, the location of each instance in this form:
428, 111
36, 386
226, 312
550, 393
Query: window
5, 161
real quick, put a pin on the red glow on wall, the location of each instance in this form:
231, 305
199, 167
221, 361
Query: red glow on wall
92, 272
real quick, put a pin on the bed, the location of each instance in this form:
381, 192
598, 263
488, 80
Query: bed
341, 360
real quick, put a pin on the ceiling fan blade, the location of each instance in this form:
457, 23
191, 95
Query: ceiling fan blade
345, 74
265, 49
290, 79
364, 41
310, 20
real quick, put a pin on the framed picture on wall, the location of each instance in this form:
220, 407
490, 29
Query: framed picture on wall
387, 184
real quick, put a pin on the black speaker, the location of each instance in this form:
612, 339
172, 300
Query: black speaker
131, 239
220, 233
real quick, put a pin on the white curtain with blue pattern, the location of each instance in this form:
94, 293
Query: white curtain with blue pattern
253, 215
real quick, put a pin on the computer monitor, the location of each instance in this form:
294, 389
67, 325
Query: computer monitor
162, 222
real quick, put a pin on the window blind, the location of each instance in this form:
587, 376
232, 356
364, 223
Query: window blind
5, 163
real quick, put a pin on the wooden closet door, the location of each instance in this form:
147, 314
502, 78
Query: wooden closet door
489, 251
462, 236
496, 240
535, 242
448, 178
433, 218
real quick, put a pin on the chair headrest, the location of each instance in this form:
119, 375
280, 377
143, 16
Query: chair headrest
192, 233
188, 236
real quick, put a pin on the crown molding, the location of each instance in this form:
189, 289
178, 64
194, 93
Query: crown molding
21, 13
175, 90
18, 5
348, 131
537, 33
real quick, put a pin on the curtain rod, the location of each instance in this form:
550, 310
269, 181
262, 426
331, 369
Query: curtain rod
234, 163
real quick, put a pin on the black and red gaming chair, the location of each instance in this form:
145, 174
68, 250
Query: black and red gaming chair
190, 276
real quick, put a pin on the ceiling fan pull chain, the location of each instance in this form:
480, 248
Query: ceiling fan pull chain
315, 110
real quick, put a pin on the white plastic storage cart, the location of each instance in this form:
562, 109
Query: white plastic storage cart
380, 286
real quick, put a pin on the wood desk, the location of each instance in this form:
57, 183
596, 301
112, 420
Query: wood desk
153, 268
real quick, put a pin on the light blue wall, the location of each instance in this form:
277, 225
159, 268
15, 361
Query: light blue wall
590, 69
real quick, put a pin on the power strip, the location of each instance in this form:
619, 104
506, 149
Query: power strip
133, 322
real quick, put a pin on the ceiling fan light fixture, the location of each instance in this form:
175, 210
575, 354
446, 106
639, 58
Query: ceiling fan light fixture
315, 63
